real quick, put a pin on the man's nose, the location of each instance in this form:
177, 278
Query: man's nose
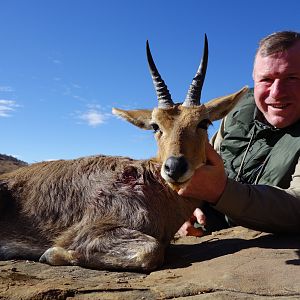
277, 89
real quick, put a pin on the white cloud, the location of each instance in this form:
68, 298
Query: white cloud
6, 107
6, 89
93, 117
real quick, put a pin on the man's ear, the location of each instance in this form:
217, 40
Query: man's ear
140, 117
218, 108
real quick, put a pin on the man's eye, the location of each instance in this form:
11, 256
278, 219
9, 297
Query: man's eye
204, 124
293, 78
155, 127
267, 80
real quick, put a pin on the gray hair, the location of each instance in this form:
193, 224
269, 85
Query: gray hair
277, 42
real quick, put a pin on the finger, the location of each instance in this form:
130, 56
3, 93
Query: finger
192, 231
200, 217
182, 191
188, 229
193, 219
184, 229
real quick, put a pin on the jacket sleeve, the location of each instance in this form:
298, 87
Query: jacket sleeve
261, 207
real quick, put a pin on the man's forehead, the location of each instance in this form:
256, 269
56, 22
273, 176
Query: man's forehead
276, 64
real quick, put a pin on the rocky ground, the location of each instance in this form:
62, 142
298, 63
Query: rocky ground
9, 163
234, 263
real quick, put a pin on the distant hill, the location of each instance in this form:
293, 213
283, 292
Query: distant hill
9, 163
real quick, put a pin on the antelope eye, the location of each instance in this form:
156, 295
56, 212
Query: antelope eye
204, 124
155, 127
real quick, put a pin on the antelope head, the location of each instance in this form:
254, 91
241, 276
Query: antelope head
181, 129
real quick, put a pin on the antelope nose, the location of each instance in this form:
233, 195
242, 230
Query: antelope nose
175, 167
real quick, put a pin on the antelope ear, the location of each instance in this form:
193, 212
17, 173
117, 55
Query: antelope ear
220, 107
140, 117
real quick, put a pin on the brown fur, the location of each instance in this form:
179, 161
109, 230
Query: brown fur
104, 212
95, 207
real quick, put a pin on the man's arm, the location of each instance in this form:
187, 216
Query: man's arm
262, 207
259, 207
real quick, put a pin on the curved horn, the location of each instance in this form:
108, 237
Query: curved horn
194, 93
163, 95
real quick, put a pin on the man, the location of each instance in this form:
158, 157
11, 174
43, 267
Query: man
256, 181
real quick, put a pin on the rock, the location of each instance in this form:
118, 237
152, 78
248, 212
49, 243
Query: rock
235, 263
10, 163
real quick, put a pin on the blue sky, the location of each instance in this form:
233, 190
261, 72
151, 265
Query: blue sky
65, 64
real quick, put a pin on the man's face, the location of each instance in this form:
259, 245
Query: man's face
277, 86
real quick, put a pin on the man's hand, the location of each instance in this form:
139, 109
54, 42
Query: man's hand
188, 227
209, 181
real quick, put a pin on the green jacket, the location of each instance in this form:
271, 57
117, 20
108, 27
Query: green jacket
262, 163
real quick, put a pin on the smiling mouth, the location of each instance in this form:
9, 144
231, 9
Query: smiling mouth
279, 106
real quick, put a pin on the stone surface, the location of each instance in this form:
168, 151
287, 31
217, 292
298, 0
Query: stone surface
235, 263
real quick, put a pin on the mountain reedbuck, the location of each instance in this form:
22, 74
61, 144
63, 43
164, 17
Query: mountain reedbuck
107, 212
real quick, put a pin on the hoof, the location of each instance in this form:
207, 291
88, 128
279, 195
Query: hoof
57, 256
